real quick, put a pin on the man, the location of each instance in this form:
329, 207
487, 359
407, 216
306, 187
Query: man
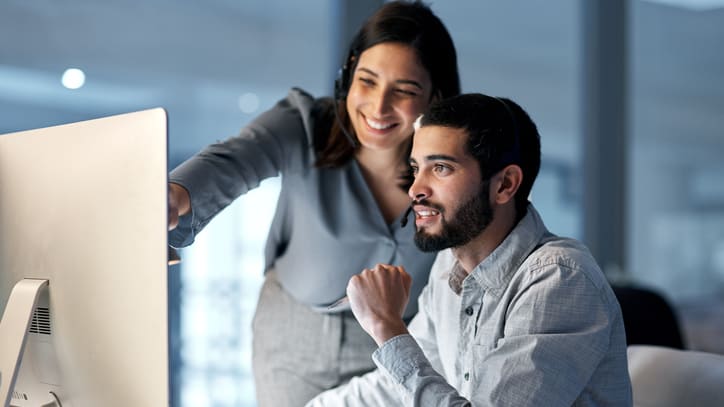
512, 315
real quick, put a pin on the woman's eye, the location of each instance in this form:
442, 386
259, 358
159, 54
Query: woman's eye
406, 92
367, 81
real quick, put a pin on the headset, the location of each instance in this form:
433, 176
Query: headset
341, 88
341, 84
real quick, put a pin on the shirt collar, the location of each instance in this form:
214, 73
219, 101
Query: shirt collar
496, 270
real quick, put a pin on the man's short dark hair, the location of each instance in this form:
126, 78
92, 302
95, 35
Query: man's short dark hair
499, 131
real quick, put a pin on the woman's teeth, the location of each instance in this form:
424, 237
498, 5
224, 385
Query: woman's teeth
378, 125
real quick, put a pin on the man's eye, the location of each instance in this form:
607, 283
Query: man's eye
441, 169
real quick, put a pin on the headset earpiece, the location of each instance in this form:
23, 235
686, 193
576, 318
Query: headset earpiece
341, 83
341, 88
344, 76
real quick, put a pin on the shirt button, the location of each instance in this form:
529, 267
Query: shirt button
469, 310
466, 376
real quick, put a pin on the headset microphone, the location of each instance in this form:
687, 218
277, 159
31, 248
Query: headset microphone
403, 221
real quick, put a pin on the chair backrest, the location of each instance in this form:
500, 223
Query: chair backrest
648, 318
666, 377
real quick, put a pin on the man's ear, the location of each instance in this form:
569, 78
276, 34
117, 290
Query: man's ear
506, 184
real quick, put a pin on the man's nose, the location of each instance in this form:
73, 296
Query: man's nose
418, 191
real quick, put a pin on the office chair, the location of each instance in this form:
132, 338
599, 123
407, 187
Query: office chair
648, 318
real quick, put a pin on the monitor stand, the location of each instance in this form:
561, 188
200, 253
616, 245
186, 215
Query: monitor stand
14, 331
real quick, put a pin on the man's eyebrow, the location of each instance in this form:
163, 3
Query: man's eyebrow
444, 157
436, 157
400, 81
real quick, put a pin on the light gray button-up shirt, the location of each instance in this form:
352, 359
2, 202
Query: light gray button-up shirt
536, 324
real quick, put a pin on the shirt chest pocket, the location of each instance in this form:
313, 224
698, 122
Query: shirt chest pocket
487, 331
484, 341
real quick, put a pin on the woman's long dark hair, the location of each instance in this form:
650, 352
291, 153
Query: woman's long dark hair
409, 23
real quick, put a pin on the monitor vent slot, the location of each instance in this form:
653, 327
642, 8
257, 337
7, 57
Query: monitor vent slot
20, 395
41, 321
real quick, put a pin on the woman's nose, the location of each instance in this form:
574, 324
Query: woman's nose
382, 102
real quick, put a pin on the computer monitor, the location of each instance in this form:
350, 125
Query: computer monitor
83, 240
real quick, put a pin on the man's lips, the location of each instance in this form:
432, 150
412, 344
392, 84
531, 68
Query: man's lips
425, 213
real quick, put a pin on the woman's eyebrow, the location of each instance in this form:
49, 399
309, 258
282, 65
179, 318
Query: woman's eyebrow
400, 81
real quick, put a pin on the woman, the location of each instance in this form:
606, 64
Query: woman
345, 174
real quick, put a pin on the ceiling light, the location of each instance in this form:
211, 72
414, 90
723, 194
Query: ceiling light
248, 103
73, 78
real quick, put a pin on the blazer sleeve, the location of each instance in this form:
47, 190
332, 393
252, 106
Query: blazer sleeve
277, 141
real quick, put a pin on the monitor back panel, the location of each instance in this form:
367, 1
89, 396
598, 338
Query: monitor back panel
84, 206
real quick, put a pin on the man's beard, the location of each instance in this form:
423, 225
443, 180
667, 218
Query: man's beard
469, 221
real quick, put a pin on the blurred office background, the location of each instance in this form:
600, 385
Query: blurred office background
628, 96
